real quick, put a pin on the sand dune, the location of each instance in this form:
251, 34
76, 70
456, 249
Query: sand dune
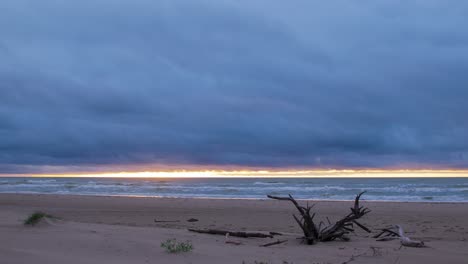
122, 230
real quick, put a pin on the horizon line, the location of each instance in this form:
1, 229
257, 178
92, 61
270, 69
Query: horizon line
318, 173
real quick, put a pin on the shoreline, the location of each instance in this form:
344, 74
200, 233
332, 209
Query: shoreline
228, 198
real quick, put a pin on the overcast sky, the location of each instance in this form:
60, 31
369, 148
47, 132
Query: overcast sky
95, 84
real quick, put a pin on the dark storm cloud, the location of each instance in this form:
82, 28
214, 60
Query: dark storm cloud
247, 83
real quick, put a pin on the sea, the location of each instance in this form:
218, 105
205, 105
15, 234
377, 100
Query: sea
378, 189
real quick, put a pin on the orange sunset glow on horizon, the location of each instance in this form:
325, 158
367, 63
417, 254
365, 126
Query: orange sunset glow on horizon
332, 173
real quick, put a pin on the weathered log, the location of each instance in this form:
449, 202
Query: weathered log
231, 233
274, 243
338, 230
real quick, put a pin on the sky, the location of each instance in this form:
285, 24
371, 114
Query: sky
96, 85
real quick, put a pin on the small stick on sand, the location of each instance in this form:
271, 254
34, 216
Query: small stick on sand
273, 243
166, 221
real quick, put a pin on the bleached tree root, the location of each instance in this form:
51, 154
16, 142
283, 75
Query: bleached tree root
406, 241
389, 234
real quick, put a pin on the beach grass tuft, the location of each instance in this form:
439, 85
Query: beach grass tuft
35, 218
173, 246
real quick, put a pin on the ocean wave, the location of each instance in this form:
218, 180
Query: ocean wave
323, 189
268, 183
40, 181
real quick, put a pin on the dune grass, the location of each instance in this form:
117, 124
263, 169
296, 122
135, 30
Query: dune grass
35, 218
172, 246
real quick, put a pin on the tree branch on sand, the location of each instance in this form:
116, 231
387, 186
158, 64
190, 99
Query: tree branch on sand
277, 242
231, 233
326, 232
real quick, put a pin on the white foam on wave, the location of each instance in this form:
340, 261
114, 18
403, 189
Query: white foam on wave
268, 183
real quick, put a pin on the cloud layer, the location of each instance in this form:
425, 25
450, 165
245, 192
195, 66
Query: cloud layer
89, 83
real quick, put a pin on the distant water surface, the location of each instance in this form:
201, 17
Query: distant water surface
398, 189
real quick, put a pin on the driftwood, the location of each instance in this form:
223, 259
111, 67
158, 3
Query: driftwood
230, 233
175, 221
166, 221
406, 241
389, 234
275, 234
274, 243
326, 232
386, 234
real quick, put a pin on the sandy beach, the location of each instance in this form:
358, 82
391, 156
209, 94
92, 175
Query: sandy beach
93, 229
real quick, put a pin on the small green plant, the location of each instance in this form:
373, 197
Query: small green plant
34, 218
172, 246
